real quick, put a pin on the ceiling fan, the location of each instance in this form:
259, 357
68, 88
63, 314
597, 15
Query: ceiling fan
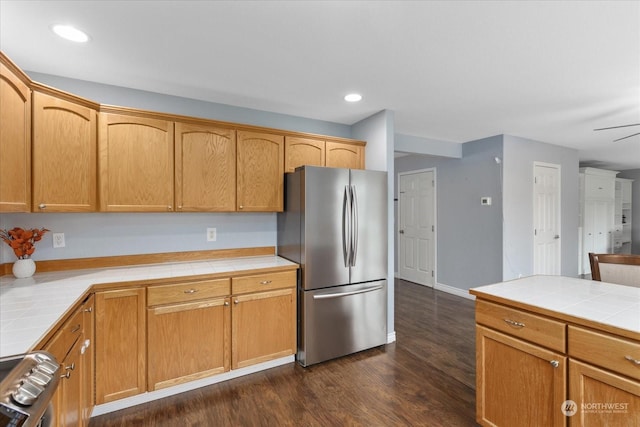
623, 126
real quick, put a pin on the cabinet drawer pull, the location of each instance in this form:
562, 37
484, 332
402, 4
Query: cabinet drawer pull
71, 367
66, 376
88, 310
514, 323
265, 282
226, 303
632, 360
236, 302
554, 363
191, 291
42, 206
75, 329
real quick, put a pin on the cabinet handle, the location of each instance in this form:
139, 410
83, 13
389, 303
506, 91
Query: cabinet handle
236, 301
180, 207
42, 206
514, 323
632, 360
70, 368
555, 363
88, 310
226, 303
191, 291
265, 282
241, 207
76, 329
66, 376
169, 208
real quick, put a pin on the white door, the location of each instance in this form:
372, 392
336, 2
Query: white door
416, 227
546, 219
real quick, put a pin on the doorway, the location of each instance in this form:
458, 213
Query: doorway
546, 219
416, 226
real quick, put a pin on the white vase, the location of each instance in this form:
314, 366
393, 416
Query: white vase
24, 268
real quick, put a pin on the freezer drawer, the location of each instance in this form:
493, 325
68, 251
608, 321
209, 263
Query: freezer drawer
341, 320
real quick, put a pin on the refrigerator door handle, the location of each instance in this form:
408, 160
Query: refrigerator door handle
354, 225
345, 294
346, 227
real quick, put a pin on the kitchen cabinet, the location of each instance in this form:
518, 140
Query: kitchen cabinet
189, 331
120, 335
263, 318
260, 172
205, 175
515, 369
607, 373
316, 152
597, 206
15, 139
73, 398
136, 156
64, 154
303, 151
343, 155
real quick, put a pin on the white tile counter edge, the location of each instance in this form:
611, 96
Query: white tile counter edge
605, 303
30, 307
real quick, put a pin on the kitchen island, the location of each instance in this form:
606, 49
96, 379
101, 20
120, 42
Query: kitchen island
554, 350
162, 328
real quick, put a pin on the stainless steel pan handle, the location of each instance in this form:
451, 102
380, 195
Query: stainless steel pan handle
344, 294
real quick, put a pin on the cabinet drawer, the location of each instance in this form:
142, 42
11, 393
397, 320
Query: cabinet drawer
263, 282
530, 327
189, 291
63, 340
606, 351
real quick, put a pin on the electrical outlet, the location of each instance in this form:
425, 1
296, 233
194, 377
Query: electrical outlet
211, 234
58, 240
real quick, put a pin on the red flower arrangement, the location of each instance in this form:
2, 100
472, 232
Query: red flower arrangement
22, 241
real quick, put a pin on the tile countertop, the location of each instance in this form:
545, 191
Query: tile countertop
615, 307
30, 307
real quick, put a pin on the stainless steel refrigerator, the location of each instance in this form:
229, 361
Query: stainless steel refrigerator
334, 225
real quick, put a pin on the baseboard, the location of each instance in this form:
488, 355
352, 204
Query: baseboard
391, 337
192, 385
464, 293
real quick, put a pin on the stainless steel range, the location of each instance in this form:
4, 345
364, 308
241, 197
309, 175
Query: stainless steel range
28, 384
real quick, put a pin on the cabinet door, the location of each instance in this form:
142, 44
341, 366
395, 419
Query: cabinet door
602, 398
120, 344
15, 143
88, 359
205, 168
260, 172
263, 327
339, 155
302, 151
188, 341
64, 155
135, 163
517, 383
69, 410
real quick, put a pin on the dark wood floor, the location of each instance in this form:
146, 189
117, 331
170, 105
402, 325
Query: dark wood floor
425, 378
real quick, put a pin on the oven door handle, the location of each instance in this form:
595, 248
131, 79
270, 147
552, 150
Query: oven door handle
344, 294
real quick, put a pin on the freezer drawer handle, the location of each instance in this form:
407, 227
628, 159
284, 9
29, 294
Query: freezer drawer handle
344, 294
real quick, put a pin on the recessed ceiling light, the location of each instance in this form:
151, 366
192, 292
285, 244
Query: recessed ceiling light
70, 33
353, 97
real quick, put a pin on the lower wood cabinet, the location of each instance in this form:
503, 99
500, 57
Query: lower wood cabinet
518, 383
263, 327
120, 344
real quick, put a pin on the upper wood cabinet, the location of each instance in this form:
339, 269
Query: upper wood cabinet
260, 175
15, 139
135, 163
303, 151
205, 175
316, 152
342, 155
64, 155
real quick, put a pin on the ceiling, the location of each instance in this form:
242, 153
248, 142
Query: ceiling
457, 71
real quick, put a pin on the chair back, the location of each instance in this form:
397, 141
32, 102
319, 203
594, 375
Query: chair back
622, 269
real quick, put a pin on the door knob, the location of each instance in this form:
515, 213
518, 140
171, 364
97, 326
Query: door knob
401, 231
